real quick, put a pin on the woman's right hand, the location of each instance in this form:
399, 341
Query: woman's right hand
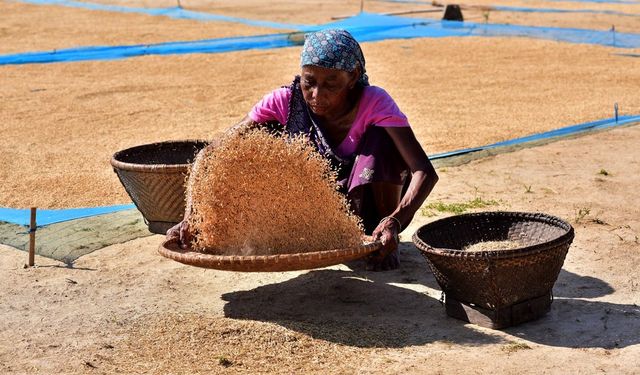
181, 233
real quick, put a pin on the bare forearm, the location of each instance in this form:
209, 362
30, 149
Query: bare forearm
421, 185
423, 175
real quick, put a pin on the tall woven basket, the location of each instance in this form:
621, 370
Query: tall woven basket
497, 288
154, 177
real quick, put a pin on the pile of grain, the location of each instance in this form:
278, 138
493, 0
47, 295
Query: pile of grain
493, 246
259, 194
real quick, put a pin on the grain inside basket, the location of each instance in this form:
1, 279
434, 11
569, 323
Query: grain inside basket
493, 246
259, 194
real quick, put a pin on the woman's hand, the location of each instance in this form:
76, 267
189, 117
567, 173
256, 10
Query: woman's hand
181, 233
387, 257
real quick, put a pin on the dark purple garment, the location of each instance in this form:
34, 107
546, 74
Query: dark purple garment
376, 159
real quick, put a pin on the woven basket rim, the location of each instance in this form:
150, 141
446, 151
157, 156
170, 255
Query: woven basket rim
263, 263
151, 168
498, 254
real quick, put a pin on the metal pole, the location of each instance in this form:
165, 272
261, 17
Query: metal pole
613, 32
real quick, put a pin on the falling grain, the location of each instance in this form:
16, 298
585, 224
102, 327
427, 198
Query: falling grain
260, 194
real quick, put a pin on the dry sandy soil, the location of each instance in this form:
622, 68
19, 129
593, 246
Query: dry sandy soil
125, 309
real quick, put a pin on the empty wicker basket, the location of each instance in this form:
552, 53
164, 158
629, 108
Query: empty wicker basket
154, 177
497, 288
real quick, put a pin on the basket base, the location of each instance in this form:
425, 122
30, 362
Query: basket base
503, 317
160, 227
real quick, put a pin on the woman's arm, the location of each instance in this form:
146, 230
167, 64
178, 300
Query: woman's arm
423, 175
423, 179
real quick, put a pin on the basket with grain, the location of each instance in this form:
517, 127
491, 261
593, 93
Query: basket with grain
496, 287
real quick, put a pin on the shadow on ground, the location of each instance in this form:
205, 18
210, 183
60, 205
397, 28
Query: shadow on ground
365, 309
575, 322
357, 308
340, 307
571, 285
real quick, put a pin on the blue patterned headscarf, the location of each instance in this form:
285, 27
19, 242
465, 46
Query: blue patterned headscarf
334, 49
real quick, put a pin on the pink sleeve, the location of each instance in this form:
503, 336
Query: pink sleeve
273, 107
376, 108
383, 110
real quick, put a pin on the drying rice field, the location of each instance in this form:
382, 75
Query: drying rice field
124, 309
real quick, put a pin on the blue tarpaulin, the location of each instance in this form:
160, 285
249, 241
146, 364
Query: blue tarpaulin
554, 10
491, 6
601, 1
174, 12
374, 27
365, 27
171, 48
569, 130
47, 217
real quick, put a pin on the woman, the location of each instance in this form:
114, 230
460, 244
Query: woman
382, 168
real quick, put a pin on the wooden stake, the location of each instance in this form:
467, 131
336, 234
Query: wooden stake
32, 237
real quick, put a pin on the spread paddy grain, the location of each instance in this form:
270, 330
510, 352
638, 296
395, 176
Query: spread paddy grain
62, 122
29, 27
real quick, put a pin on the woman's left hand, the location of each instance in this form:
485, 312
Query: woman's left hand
387, 257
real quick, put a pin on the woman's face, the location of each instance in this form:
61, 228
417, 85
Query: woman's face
326, 91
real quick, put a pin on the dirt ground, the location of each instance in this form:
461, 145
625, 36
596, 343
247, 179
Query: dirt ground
125, 309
